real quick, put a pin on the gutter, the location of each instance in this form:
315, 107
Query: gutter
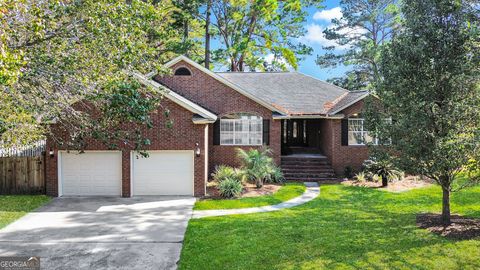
308, 116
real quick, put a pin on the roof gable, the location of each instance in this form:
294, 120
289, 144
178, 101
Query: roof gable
347, 100
222, 80
203, 115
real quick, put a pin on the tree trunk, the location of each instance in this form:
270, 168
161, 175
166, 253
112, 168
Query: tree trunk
207, 34
185, 34
446, 206
259, 182
384, 180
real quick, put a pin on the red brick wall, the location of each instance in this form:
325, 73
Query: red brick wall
342, 156
221, 100
182, 136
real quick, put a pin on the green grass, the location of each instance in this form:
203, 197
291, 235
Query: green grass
15, 206
344, 228
285, 193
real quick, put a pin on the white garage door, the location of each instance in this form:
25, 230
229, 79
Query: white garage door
90, 173
163, 173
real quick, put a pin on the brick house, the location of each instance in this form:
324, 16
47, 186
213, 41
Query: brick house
313, 128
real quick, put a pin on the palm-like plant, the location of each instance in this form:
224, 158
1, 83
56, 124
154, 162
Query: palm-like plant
256, 163
383, 168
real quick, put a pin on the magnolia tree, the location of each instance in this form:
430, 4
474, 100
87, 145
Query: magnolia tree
60, 58
431, 89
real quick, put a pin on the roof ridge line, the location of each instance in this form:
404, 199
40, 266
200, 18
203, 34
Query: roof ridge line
336, 86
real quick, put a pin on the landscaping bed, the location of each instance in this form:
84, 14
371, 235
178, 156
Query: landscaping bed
249, 190
269, 194
461, 228
405, 184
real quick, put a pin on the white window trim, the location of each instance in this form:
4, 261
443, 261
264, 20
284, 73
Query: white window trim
243, 133
363, 132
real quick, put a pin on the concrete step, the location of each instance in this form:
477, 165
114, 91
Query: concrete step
326, 171
311, 179
306, 167
308, 175
304, 158
312, 160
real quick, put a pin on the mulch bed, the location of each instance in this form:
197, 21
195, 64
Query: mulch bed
462, 228
405, 184
249, 190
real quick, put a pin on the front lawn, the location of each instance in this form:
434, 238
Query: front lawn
285, 193
15, 206
346, 227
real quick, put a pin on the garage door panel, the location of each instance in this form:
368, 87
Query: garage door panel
91, 174
164, 173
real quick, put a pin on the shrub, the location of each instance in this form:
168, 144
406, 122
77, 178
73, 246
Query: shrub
383, 168
275, 176
223, 172
230, 188
348, 172
361, 177
258, 165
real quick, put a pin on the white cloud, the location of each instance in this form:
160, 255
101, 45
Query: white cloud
270, 57
328, 14
315, 35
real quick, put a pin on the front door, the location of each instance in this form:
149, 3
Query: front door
296, 132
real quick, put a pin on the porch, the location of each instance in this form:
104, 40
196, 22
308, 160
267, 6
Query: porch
303, 151
303, 137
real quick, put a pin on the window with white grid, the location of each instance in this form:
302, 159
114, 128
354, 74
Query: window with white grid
241, 129
358, 135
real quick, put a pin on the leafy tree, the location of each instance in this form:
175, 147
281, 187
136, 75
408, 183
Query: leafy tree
353, 80
365, 26
431, 88
56, 55
190, 27
247, 30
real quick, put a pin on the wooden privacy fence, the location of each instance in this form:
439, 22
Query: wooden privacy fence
22, 175
22, 169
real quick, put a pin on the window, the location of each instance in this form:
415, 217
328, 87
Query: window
241, 129
182, 71
357, 135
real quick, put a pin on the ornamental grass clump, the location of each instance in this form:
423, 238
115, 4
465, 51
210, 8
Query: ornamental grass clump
230, 188
223, 172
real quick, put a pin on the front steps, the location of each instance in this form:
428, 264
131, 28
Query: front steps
307, 168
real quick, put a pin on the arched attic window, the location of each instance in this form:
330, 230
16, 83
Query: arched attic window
182, 71
241, 129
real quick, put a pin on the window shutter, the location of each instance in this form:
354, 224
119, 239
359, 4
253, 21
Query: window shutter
266, 132
344, 131
216, 132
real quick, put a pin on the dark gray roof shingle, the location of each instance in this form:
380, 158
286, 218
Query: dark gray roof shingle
291, 92
347, 100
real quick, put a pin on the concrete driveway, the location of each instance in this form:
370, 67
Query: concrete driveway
102, 233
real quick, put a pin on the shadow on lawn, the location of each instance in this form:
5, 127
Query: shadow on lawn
348, 227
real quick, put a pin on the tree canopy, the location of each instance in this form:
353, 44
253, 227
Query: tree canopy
431, 89
365, 26
57, 55
249, 30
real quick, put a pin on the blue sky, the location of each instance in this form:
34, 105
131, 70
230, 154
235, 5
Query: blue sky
317, 20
